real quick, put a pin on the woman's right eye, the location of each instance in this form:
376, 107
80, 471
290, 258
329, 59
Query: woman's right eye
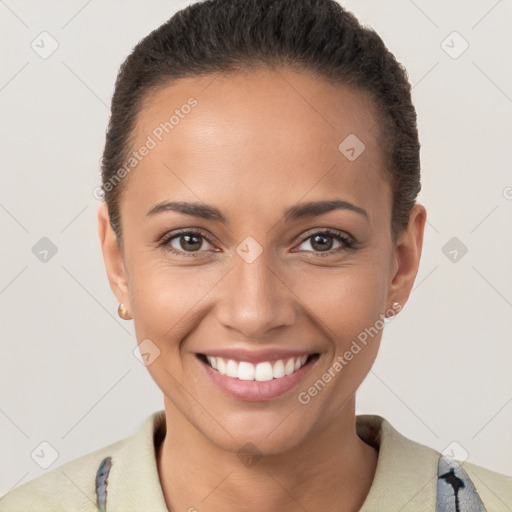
184, 242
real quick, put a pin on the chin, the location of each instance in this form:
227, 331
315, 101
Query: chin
266, 432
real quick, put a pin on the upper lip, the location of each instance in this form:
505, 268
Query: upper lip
256, 356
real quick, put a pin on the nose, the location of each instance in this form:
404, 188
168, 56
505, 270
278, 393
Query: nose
256, 299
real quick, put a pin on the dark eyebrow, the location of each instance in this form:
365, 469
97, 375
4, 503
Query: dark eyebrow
315, 208
193, 209
311, 209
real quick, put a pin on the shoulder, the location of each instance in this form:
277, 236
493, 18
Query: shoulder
411, 476
495, 489
133, 481
70, 486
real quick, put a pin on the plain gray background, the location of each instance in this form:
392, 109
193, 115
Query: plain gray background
68, 374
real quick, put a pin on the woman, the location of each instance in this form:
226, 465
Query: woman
260, 227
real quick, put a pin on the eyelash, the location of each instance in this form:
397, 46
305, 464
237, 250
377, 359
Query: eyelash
347, 243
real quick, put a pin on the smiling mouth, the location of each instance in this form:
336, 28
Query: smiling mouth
263, 371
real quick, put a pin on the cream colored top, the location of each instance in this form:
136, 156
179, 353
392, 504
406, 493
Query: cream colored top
405, 479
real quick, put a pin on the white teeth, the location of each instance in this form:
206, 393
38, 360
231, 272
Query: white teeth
232, 368
245, 371
260, 372
221, 366
289, 367
263, 372
278, 370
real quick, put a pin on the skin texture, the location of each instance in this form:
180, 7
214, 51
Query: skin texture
257, 143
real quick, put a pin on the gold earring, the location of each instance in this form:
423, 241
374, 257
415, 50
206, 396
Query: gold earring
393, 310
123, 312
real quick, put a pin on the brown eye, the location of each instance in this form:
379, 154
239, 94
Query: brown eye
185, 242
190, 242
323, 242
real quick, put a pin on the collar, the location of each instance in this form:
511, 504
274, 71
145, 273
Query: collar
406, 474
405, 477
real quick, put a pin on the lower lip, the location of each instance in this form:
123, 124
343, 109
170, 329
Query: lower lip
252, 390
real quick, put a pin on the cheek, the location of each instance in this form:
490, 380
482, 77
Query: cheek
345, 301
347, 305
165, 306
165, 301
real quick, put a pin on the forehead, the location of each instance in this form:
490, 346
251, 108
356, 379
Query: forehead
279, 129
259, 106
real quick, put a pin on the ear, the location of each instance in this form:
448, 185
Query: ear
113, 258
407, 256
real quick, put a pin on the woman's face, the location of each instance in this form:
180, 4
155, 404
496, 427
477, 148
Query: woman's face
261, 277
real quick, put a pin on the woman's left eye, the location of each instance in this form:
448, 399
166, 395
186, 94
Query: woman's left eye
322, 242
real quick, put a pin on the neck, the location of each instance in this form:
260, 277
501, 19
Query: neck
331, 470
